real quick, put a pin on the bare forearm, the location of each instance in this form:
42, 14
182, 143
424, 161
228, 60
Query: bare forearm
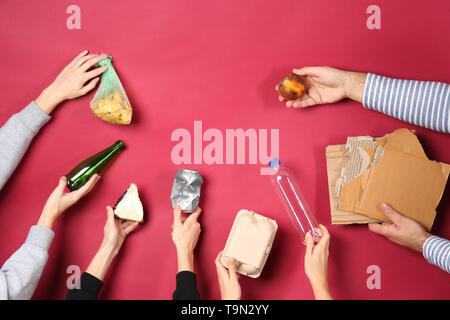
48, 100
354, 85
100, 263
321, 291
185, 260
46, 221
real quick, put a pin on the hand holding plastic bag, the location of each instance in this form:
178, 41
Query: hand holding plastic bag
110, 102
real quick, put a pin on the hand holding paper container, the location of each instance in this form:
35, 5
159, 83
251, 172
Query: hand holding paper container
249, 242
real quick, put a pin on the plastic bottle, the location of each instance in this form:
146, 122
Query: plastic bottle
95, 164
293, 201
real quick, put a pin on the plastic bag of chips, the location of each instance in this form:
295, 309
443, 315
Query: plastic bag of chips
110, 102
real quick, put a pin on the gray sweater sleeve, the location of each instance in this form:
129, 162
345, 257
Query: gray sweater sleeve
20, 274
423, 103
15, 137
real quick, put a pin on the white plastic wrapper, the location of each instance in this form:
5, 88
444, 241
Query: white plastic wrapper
186, 190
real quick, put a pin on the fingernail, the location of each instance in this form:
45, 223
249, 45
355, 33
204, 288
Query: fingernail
384, 205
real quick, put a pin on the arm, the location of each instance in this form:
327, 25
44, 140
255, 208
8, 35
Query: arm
89, 288
316, 263
17, 133
437, 252
423, 103
185, 234
410, 234
20, 274
91, 281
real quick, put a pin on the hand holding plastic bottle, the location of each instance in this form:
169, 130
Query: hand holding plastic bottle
293, 201
316, 263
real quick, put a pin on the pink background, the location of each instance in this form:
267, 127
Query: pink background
215, 61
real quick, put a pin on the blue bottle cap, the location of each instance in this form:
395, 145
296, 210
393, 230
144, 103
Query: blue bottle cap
274, 163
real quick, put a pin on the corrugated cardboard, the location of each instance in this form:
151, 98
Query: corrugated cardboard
337, 157
403, 176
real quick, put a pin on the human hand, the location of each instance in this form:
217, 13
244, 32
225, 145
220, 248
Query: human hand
59, 200
228, 279
185, 234
327, 85
75, 80
403, 230
115, 231
316, 262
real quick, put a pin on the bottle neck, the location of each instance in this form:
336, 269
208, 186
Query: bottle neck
119, 145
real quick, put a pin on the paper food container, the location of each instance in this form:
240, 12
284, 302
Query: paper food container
249, 242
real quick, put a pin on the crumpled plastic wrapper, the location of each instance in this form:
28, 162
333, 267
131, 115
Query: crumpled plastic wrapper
186, 190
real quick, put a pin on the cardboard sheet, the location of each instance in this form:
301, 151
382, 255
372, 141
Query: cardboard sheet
337, 157
403, 177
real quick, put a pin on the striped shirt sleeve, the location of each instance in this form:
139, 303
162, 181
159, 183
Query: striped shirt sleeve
437, 251
423, 103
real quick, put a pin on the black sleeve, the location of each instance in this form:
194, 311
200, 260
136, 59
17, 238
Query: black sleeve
89, 287
186, 287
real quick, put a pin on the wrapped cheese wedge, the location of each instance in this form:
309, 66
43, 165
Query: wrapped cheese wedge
129, 206
110, 102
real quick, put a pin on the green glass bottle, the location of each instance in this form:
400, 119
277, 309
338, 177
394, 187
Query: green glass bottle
95, 164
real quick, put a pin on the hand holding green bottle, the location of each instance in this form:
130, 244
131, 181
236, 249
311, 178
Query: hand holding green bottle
59, 200
95, 164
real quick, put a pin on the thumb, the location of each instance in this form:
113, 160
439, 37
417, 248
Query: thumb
232, 269
109, 214
393, 215
308, 71
61, 184
177, 215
